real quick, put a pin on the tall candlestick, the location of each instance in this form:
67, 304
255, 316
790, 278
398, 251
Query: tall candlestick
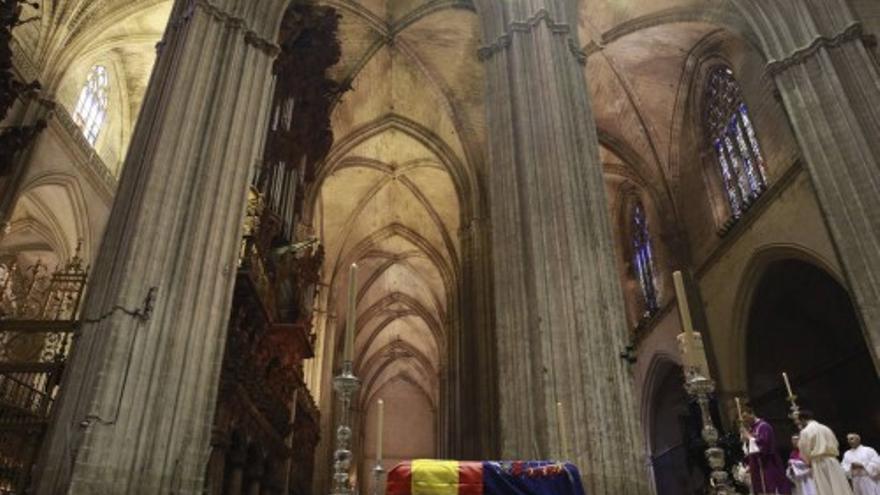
352, 313
563, 438
381, 419
685, 314
787, 384
683, 308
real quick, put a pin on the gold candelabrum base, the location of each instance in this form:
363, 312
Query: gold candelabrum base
701, 388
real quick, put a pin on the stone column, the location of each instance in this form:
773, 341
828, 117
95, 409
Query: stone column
474, 418
139, 392
830, 86
560, 322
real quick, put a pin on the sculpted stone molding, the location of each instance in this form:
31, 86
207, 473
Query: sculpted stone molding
251, 36
92, 164
22, 61
799, 56
525, 27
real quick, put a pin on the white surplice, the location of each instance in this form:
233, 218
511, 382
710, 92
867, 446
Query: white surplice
818, 447
866, 480
801, 476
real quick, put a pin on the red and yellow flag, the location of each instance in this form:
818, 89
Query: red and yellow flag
431, 477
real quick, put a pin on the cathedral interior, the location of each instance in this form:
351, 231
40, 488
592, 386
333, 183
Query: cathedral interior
185, 185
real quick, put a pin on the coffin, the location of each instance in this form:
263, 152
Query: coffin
434, 477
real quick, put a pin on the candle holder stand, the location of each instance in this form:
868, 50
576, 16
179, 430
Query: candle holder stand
377, 479
794, 408
701, 388
345, 384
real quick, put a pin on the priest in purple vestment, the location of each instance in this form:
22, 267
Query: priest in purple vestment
765, 466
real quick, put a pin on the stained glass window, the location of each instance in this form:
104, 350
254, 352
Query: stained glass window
733, 140
91, 108
643, 258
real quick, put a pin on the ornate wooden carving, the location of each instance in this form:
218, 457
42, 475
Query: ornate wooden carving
309, 47
299, 135
16, 138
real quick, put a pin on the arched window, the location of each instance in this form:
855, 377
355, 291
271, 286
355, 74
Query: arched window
733, 140
91, 108
643, 258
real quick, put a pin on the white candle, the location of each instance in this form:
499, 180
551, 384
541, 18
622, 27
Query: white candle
739, 409
683, 308
381, 413
787, 384
563, 438
685, 313
352, 313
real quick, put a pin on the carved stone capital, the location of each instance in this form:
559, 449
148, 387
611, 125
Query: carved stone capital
852, 32
251, 33
525, 27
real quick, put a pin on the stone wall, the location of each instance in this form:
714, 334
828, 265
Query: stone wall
789, 225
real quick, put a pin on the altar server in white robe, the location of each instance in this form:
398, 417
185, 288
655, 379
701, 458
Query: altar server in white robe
799, 472
819, 449
862, 465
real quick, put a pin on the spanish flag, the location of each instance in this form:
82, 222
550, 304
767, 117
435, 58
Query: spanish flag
433, 477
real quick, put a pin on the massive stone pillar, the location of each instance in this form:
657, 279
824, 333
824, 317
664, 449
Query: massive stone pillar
830, 86
474, 373
139, 393
560, 323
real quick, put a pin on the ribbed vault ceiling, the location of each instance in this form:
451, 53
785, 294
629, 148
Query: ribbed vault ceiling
390, 195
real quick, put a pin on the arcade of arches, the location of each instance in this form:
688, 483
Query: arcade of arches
183, 194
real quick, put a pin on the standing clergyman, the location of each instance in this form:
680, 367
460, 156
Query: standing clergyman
765, 465
862, 465
799, 472
818, 448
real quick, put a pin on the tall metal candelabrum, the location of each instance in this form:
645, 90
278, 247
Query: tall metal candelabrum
345, 384
701, 388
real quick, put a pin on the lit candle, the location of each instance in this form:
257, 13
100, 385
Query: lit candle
787, 384
739, 409
563, 438
685, 314
352, 313
381, 419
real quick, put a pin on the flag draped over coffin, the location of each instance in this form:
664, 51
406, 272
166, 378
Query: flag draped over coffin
430, 477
